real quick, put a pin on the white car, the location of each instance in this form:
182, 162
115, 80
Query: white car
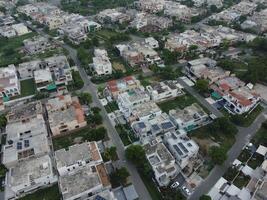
186, 190
175, 184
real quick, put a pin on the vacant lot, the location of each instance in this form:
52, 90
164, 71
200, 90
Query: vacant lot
28, 87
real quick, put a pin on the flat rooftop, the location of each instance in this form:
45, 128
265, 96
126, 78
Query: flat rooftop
24, 172
87, 152
82, 180
22, 112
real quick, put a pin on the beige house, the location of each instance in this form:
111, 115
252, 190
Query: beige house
65, 114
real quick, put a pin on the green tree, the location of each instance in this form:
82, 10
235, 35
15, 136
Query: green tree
111, 153
218, 155
136, 154
205, 197
122, 174
85, 98
202, 86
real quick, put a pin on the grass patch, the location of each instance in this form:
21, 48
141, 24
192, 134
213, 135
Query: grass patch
255, 161
51, 193
124, 135
85, 134
230, 174
111, 107
244, 156
241, 180
9, 49
28, 87
179, 102
261, 136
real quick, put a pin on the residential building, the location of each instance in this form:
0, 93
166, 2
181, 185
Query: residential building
189, 118
9, 82
101, 63
36, 44
65, 114
20, 29
152, 42
164, 90
89, 181
57, 66
116, 87
113, 16
127, 100
77, 156
152, 6
25, 139
28, 176
241, 100
144, 111
25, 112
154, 126
162, 162
182, 148
180, 12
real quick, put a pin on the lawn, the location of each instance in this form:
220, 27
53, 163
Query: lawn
28, 87
230, 174
241, 180
244, 156
51, 193
261, 136
179, 102
9, 49
111, 107
84, 134
255, 161
124, 135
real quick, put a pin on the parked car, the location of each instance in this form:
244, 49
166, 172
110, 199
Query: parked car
175, 184
186, 190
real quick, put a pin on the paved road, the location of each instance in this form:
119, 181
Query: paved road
201, 100
242, 138
90, 87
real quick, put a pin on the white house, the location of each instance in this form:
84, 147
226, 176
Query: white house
9, 82
101, 62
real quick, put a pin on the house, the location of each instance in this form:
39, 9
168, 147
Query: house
25, 112
43, 79
189, 118
116, 87
154, 126
20, 29
152, 6
183, 149
127, 100
77, 156
36, 44
112, 16
144, 112
29, 175
7, 31
164, 90
161, 161
101, 63
89, 181
9, 82
241, 100
25, 139
65, 114
152, 42
180, 12
57, 66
